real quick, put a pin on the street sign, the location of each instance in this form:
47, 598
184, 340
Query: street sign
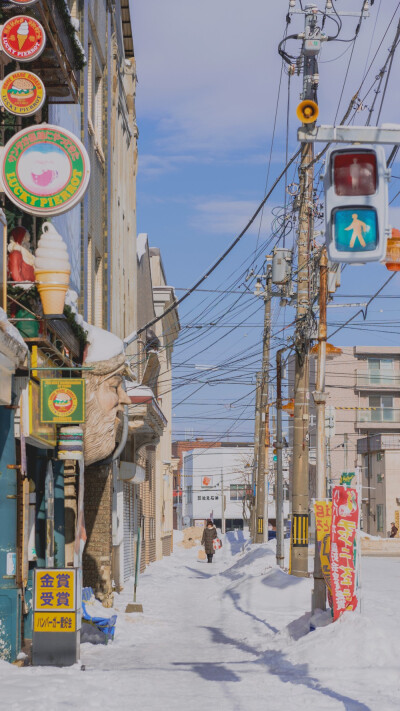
356, 204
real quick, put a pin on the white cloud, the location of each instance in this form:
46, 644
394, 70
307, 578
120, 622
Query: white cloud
209, 71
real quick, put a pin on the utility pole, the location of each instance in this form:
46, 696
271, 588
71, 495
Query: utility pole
320, 396
223, 527
253, 521
280, 551
300, 484
263, 438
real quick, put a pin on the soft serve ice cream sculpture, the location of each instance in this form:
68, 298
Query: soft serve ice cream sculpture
52, 270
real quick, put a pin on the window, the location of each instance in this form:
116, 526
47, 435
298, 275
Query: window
379, 517
384, 408
379, 478
381, 371
237, 492
189, 495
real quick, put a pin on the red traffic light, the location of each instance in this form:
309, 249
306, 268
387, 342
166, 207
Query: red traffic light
355, 173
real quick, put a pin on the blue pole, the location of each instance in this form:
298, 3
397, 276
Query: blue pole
59, 521
10, 597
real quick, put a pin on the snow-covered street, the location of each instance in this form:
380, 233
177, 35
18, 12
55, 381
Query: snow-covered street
229, 636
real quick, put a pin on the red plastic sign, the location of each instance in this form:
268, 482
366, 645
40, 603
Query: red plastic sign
23, 38
342, 554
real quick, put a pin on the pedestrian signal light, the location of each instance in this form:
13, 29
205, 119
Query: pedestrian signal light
356, 204
307, 111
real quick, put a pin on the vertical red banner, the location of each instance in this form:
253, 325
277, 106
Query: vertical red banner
342, 553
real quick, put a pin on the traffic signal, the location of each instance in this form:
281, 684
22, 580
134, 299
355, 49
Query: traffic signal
356, 204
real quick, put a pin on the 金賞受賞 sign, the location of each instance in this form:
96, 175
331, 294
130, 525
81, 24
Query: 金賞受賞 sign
22, 93
22, 38
45, 170
55, 590
62, 400
345, 514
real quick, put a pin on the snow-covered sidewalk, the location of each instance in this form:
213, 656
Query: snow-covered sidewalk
229, 636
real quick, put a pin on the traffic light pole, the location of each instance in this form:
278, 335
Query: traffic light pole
319, 592
263, 436
300, 483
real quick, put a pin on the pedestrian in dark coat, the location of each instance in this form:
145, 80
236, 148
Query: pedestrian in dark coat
393, 530
209, 533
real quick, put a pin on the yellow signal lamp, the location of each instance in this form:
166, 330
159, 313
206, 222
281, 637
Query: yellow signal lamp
307, 111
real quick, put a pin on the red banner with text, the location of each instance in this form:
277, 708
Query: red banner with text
343, 549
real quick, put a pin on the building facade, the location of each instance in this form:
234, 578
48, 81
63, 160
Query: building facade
362, 410
217, 485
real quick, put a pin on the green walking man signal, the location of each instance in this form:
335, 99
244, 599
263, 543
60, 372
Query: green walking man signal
356, 204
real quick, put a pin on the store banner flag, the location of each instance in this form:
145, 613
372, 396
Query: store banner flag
345, 515
323, 522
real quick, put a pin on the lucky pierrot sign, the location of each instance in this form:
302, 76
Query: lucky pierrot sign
45, 170
22, 38
22, 93
23, 3
62, 400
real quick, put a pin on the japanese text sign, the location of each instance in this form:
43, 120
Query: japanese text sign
54, 622
345, 514
55, 590
323, 522
62, 400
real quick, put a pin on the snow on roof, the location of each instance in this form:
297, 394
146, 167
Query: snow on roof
13, 338
141, 245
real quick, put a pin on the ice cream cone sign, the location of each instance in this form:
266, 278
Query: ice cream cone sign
52, 270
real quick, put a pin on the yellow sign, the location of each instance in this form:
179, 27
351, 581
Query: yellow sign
323, 521
54, 622
55, 590
323, 518
44, 433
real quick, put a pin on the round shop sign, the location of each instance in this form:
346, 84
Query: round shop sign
23, 3
22, 93
62, 402
22, 38
45, 170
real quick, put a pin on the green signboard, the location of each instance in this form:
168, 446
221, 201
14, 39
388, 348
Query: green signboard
347, 478
62, 400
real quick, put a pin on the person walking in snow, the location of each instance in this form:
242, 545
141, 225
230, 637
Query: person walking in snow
209, 533
393, 530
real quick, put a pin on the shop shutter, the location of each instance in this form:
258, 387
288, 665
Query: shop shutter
128, 531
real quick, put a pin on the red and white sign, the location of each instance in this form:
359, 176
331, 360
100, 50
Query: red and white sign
23, 3
206, 481
345, 514
22, 38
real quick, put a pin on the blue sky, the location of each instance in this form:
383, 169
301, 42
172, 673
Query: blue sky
208, 84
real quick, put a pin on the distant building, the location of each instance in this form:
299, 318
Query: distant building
362, 422
217, 480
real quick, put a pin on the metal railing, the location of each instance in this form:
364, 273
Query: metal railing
380, 414
388, 380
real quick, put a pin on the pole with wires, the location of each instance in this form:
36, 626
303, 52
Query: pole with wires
280, 552
300, 483
319, 592
263, 437
253, 518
